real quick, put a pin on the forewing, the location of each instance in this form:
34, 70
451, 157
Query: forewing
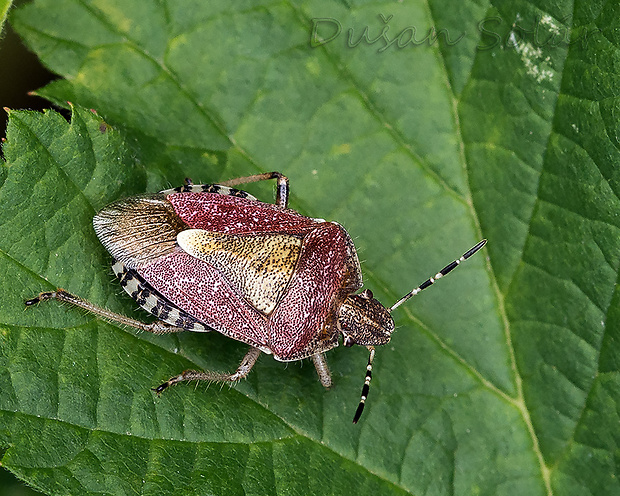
203, 292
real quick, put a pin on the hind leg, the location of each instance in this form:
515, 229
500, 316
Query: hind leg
194, 375
157, 327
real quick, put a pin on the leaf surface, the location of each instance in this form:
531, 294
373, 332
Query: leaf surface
501, 380
5, 5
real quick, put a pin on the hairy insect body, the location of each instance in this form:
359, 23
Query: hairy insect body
259, 274
211, 257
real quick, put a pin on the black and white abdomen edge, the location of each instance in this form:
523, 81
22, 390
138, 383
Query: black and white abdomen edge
153, 302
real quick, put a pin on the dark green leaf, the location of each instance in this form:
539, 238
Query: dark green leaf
501, 380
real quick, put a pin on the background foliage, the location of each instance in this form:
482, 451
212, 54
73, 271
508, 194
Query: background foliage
503, 380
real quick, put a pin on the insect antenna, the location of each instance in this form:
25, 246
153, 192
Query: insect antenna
366, 387
447, 269
431, 280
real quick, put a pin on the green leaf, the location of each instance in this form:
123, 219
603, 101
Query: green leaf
5, 5
501, 380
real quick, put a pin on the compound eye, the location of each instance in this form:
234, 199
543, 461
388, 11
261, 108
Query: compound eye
348, 341
366, 294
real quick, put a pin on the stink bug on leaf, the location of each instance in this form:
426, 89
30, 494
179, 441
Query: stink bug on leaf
211, 257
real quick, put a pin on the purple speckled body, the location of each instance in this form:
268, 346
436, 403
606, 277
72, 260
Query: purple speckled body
292, 330
211, 257
303, 320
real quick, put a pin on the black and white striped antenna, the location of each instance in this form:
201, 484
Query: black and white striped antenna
429, 282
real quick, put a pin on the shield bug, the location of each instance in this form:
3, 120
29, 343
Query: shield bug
212, 257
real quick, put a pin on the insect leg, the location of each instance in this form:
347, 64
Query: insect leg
190, 375
282, 187
157, 327
322, 369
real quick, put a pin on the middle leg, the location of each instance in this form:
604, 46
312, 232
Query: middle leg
320, 363
190, 375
